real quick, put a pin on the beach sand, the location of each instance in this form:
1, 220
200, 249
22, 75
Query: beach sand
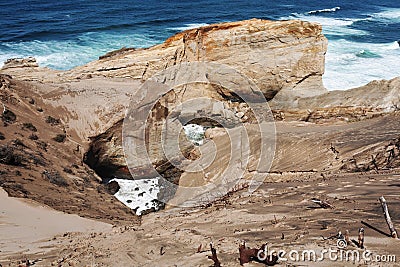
28, 227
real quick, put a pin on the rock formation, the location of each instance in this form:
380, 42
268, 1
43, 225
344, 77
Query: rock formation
378, 94
322, 138
277, 55
284, 59
29, 62
292, 56
34, 165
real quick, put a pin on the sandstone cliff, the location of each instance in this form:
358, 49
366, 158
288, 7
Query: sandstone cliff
40, 161
378, 94
53, 117
284, 59
276, 55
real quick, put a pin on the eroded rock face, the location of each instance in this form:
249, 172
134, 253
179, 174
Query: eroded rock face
285, 56
383, 94
276, 55
33, 165
29, 62
105, 154
284, 59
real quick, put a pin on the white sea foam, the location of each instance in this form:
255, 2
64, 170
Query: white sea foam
63, 54
326, 10
332, 26
352, 64
188, 26
324, 21
393, 46
139, 195
195, 133
388, 15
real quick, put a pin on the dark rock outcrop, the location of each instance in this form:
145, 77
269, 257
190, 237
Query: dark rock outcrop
29, 62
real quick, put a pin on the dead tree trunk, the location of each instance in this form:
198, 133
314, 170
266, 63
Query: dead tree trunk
347, 237
246, 255
374, 162
322, 204
214, 257
389, 222
361, 238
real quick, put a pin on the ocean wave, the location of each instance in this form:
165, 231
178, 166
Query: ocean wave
388, 15
324, 21
365, 53
195, 133
353, 64
65, 54
394, 45
332, 27
326, 10
188, 26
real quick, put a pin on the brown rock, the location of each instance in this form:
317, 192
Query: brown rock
112, 187
292, 54
29, 62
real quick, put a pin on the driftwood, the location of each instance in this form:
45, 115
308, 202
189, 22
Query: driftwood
247, 255
393, 232
373, 161
322, 204
27, 263
334, 150
162, 252
361, 238
347, 237
214, 257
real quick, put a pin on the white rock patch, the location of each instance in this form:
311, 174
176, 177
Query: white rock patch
195, 133
139, 195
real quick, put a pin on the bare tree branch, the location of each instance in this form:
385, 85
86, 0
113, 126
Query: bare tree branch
214, 257
389, 222
322, 204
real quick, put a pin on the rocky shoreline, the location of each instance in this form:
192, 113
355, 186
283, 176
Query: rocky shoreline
62, 136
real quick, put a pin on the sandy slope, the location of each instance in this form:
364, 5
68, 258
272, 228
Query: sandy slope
280, 207
274, 210
26, 226
312, 160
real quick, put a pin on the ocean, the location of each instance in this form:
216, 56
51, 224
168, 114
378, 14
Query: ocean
64, 34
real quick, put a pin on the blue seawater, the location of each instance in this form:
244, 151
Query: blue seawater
63, 34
